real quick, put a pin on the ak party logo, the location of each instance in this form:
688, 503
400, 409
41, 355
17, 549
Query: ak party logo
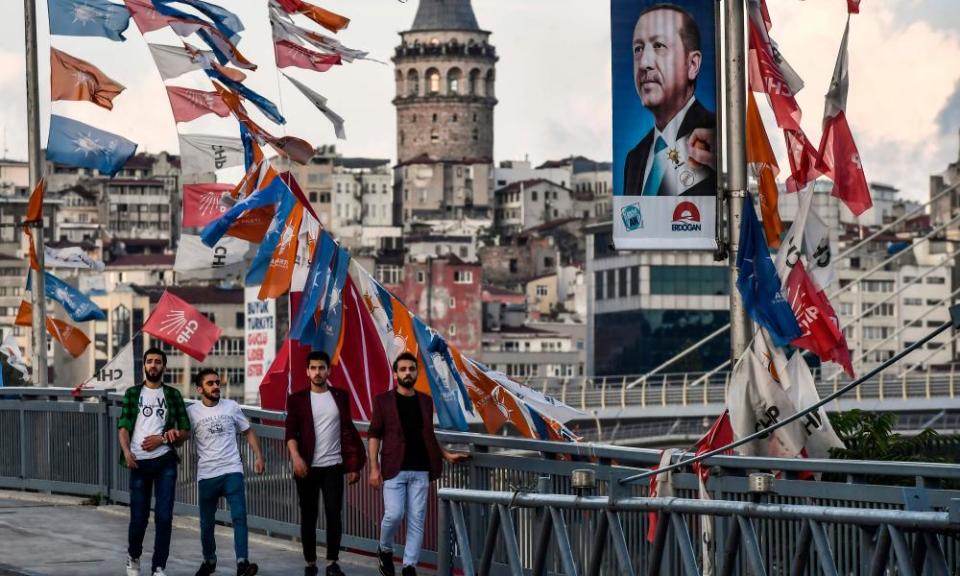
686, 218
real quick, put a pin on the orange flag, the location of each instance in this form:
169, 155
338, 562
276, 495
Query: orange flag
75, 79
495, 405
35, 204
276, 281
34, 263
329, 20
760, 156
403, 329
70, 337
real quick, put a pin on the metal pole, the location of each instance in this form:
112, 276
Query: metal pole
736, 152
36, 172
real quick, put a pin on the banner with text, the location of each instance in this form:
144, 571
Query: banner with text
260, 341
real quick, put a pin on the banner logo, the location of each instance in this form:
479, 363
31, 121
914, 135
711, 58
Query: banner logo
632, 217
686, 218
176, 323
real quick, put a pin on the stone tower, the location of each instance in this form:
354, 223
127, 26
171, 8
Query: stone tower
445, 80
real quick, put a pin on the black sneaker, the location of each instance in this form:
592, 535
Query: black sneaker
207, 568
408, 571
245, 568
333, 569
386, 563
311, 571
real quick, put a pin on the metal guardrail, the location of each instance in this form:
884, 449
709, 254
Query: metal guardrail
54, 442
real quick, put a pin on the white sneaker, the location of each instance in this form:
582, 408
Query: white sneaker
133, 567
158, 571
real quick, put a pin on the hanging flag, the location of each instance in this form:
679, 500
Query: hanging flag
78, 306
765, 76
539, 401
268, 191
32, 250
720, 434
77, 144
290, 54
145, 15
202, 153
70, 257
378, 302
87, 18
809, 237
296, 149
839, 158
284, 28
792, 247
34, 213
222, 259
182, 326
268, 108
494, 404
306, 244
758, 283
764, 163
276, 281
853, 6
11, 350
226, 21
321, 104
803, 160
70, 337
203, 203
329, 336
446, 397
757, 11
303, 325
189, 104
261, 261
74, 79
820, 436
820, 328
329, 20
175, 61
116, 374
223, 48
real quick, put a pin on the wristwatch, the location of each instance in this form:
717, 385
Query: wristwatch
163, 440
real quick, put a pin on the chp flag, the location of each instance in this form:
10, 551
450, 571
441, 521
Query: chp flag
182, 326
117, 373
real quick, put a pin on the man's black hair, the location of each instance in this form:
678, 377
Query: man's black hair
203, 373
318, 355
156, 352
689, 31
404, 356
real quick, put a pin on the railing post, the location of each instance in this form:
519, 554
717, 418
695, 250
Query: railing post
583, 394
643, 392
706, 395
623, 393
563, 391
663, 391
684, 391
603, 394
444, 548
952, 369
903, 385
881, 385
929, 384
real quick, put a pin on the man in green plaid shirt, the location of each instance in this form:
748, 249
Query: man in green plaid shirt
153, 419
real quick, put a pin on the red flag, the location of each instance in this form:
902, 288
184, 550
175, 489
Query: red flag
840, 160
329, 20
35, 204
70, 337
853, 6
719, 434
182, 326
290, 54
819, 326
765, 76
294, 186
146, 16
34, 263
74, 79
201, 203
189, 104
803, 160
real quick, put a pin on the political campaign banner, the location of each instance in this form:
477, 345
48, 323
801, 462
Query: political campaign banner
665, 132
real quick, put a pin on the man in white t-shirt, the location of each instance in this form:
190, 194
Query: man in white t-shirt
152, 419
216, 424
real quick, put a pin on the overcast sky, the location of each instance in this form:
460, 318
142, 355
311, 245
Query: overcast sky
553, 80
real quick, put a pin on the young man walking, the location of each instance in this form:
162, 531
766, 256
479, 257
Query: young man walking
153, 419
401, 433
324, 447
215, 424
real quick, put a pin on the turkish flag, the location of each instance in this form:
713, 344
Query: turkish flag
840, 160
189, 104
182, 326
70, 337
819, 327
803, 160
201, 203
765, 76
290, 54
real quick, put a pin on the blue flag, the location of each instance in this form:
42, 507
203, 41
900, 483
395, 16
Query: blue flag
215, 230
248, 142
74, 143
260, 263
758, 282
446, 395
224, 20
331, 317
268, 108
302, 327
78, 306
88, 18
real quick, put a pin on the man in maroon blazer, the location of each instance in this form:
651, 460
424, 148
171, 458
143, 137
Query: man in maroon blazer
324, 447
411, 458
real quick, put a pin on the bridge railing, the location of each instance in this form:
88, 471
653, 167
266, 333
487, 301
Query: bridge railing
52, 441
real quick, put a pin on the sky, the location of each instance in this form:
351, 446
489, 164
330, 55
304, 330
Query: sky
553, 80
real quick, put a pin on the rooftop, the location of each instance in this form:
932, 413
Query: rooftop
143, 260
445, 15
580, 164
195, 294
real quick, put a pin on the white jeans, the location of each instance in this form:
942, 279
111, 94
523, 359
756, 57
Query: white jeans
405, 493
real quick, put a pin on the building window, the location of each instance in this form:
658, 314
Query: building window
240, 320
598, 285
413, 85
434, 136
689, 280
877, 285
453, 81
313, 195
324, 197
421, 277
463, 277
913, 301
452, 330
634, 280
936, 280
433, 81
389, 274
541, 290
611, 283
533, 196
476, 134
453, 303
622, 282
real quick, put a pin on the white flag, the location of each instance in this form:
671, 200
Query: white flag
71, 257
11, 350
321, 103
174, 61
225, 258
117, 373
808, 236
208, 153
792, 245
309, 233
818, 432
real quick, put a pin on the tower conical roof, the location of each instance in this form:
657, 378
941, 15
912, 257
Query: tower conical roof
445, 15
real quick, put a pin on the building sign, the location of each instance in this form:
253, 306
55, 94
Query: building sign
665, 134
260, 341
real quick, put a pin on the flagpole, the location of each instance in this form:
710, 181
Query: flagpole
736, 152
36, 172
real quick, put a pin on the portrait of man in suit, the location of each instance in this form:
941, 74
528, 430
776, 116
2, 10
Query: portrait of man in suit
677, 157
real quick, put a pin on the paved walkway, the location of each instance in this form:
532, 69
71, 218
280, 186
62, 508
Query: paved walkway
56, 535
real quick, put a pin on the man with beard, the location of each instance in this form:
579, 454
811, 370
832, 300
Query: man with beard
324, 447
411, 458
215, 424
155, 416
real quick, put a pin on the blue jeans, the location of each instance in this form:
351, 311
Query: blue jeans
229, 486
405, 493
153, 476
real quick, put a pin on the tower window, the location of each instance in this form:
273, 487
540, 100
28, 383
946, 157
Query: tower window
413, 82
453, 81
413, 119
435, 136
455, 117
434, 116
474, 116
476, 134
474, 81
433, 81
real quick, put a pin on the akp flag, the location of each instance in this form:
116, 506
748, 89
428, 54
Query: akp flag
225, 20
329, 336
75, 79
764, 163
266, 191
202, 153
202, 203
321, 103
279, 274
70, 337
88, 18
284, 28
261, 261
189, 104
839, 158
820, 327
35, 205
11, 350
70, 257
182, 326
116, 374
329, 20
446, 396
78, 306
303, 324
758, 283
77, 144
268, 108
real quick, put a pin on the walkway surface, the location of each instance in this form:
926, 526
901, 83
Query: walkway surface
44, 535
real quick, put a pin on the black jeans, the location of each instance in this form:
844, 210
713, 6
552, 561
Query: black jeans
153, 476
329, 480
